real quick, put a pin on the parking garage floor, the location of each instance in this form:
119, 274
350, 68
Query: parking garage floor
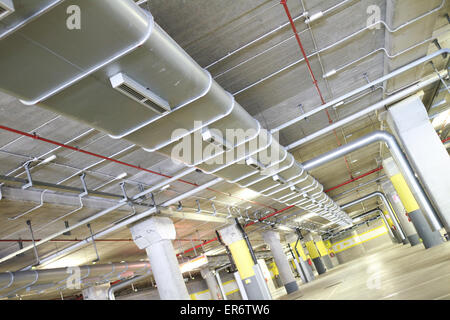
389, 272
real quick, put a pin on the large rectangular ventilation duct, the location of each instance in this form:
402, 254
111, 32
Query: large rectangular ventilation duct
159, 95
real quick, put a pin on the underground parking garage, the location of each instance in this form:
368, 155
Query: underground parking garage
218, 150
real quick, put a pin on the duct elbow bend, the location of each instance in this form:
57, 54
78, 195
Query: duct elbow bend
111, 295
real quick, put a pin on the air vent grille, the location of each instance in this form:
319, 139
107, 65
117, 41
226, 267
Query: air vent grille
139, 93
6, 8
154, 106
130, 91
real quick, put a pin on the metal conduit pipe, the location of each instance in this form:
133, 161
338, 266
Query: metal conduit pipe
326, 237
378, 179
28, 279
96, 216
197, 99
267, 34
332, 72
387, 205
381, 49
125, 284
124, 223
402, 162
377, 106
363, 88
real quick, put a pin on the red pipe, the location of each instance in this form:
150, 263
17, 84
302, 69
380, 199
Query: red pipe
284, 3
355, 179
77, 240
62, 145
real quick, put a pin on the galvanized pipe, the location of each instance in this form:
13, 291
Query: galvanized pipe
126, 222
402, 162
21, 279
97, 215
360, 89
125, 283
387, 205
340, 195
377, 106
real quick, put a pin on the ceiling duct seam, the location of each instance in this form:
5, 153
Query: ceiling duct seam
239, 118
265, 169
222, 152
303, 189
292, 184
273, 173
242, 157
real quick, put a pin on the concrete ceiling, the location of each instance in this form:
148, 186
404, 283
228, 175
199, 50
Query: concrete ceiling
209, 30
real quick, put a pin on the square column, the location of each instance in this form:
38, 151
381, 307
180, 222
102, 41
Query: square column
272, 238
155, 235
405, 222
429, 237
248, 269
409, 121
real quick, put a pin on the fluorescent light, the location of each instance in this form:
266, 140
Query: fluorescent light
339, 104
49, 159
194, 264
248, 208
121, 176
167, 186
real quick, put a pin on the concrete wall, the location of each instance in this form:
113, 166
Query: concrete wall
359, 250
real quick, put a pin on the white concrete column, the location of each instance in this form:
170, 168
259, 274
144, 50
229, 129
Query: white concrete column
155, 235
255, 286
409, 121
99, 292
272, 238
212, 284
405, 222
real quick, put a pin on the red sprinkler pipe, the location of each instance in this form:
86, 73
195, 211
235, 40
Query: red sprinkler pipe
355, 179
62, 145
284, 3
79, 240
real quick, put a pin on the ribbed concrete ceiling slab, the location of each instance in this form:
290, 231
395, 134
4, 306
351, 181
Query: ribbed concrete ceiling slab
209, 30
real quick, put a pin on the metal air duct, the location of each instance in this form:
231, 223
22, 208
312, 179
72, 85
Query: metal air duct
186, 104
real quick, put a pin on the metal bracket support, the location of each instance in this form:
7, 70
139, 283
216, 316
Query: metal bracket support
26, 166
93, 242
83, 182
38, 261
